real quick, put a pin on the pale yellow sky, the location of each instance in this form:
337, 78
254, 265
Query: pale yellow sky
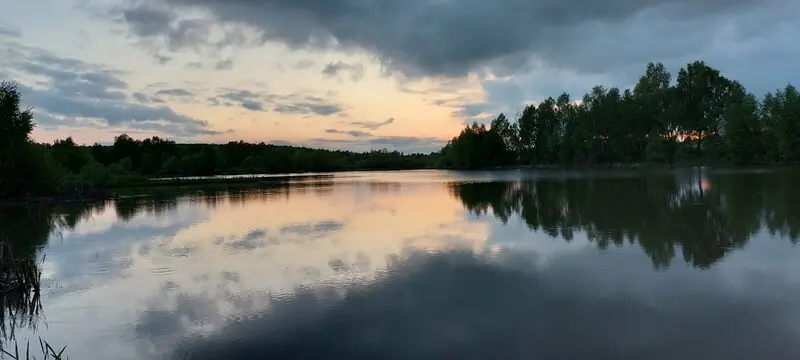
272, 70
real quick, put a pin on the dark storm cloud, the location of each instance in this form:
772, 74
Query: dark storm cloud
145, 21
152, 23
75, 90
334, 69
450, 38
372, 125
353, 133
159, 28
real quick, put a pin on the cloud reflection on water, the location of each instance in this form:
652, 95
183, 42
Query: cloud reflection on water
433, 269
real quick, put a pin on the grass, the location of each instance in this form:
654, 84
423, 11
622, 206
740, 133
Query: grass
20, 304
19, 291
48, 352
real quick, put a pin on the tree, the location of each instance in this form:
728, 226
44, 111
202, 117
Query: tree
781, 114
742, 131
148, 164
527, 124
25, 168
69, 155
651, 94
702, 97
16, 123
503, 141
172, 166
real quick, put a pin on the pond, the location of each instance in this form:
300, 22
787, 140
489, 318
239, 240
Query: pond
692, 263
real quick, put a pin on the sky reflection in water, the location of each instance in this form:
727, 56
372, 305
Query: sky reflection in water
412, 265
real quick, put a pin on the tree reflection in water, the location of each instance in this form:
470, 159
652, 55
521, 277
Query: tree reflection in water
704, 215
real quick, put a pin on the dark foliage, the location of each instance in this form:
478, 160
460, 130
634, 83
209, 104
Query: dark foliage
702, 118
695, 215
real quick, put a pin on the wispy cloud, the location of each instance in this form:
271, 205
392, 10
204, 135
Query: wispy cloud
353, 133
372, 125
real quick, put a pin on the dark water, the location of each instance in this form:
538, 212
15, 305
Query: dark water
685, 264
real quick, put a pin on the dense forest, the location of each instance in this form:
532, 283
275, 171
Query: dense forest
703, 117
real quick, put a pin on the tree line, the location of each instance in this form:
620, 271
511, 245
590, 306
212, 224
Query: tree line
63, 167
703, 117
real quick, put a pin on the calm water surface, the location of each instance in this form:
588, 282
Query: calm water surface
684, 264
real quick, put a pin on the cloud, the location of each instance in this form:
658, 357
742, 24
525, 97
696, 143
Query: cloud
75, 92
10, 31
253, 106
334, 69
224, 65
194, 65
174, 93
303, 64
159, 28
116, 113
353, 133
162, 59
285, 104
146, 99
372, 125
453, 38
309, 107
245, 98
95, 83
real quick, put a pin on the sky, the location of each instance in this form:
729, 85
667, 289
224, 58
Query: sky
360, 74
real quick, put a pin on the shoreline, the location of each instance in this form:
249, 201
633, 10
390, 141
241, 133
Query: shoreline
117, 190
